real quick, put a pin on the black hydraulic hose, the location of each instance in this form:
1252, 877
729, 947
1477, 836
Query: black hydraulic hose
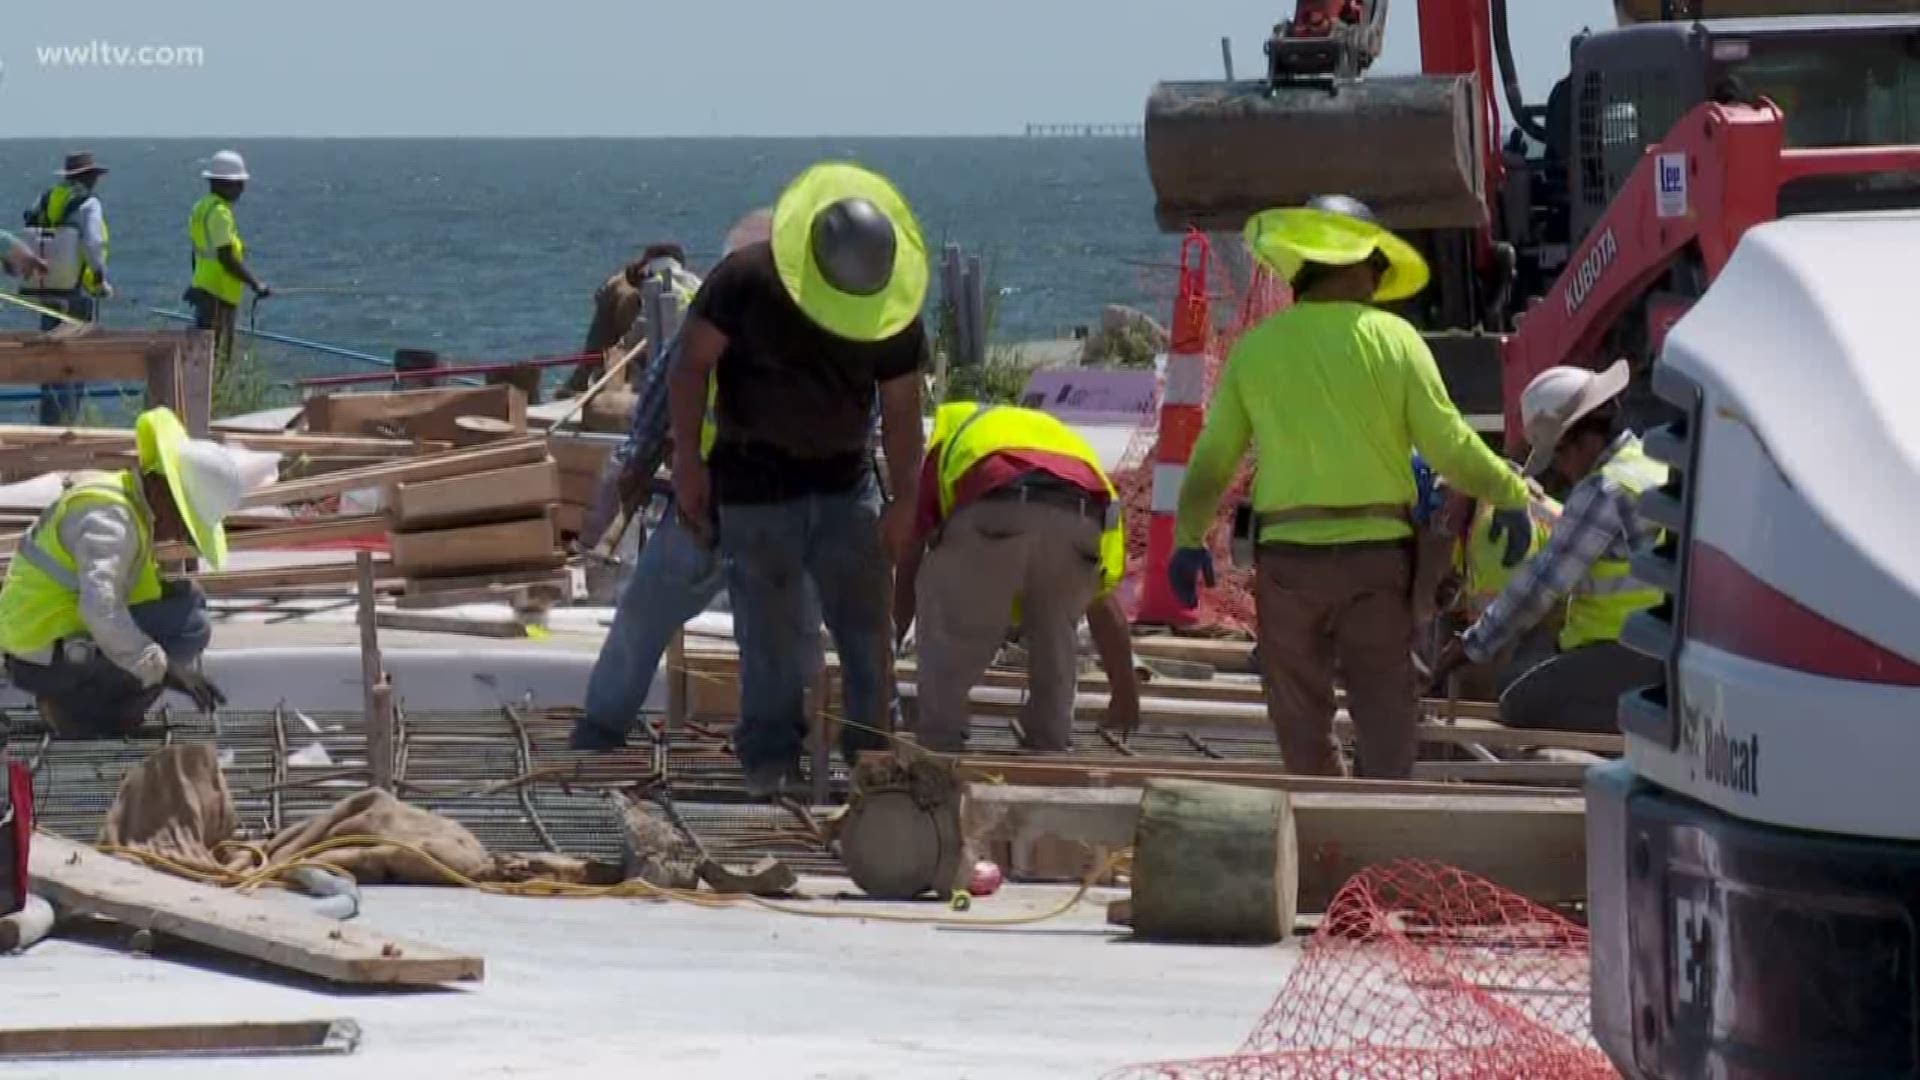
1510, 75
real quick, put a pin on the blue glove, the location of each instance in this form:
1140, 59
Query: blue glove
1516, 528
1184, 572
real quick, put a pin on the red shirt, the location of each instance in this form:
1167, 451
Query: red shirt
995, 471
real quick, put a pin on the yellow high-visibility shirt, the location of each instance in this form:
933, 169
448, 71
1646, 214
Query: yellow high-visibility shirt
1334, 398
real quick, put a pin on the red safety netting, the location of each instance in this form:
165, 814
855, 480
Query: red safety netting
1423, 971
1230, 605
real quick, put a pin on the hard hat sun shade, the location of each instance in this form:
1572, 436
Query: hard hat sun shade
202, 477
1559, 398
833, 193
1288, 239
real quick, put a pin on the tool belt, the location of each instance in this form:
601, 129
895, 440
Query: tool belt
1055, 492
1294, 515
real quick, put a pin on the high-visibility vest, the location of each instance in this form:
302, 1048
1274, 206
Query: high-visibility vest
210, 275
53, 215
1479, 558
40, 602
1601, 603
965, 432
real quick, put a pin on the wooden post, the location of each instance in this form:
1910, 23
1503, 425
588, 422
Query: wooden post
976, 295
954, 290
164, 386
1226, 56
379, 693
677, 681
195, 364
1214, 862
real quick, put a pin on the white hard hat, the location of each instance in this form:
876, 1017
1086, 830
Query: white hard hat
226, 165
1558, 398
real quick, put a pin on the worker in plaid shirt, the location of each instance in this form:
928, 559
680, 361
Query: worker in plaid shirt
1572, 422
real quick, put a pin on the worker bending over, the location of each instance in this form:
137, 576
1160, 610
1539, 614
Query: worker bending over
1475, 578
1015, 519
1573, 426
1335, 395
220, 271
619, 319
801, 334
87, 625
70, 213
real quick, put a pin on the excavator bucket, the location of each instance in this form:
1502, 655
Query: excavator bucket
1630, 12
1412, 147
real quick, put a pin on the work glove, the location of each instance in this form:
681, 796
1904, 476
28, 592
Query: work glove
1185, 571
1515, 527
189, 681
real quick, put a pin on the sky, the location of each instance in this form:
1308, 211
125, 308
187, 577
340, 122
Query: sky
498, 68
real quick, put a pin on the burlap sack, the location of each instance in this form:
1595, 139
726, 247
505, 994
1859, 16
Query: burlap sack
175, 805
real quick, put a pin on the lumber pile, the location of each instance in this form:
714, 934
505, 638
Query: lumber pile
419, 414
580, 459
449, 529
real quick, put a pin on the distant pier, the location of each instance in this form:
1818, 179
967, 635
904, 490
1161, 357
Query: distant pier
1086, 131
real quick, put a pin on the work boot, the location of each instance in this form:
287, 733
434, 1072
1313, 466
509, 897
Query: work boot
774, 779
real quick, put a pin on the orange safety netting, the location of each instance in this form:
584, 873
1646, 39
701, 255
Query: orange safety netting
1229, 606
1423, 971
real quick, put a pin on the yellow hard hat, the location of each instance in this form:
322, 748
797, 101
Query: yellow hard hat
814, 200
1287, 239
203, 477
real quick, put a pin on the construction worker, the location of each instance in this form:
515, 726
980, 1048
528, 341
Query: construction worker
220, 270
618, 319
802, 334
1573, 425
677, 575
76, 280
87, 625
1335, 395
1015, 519
1476, 575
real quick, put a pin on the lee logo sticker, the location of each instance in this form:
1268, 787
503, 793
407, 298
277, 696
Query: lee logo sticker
1671, 177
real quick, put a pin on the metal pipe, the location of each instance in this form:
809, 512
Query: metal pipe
1510, 76
286, 339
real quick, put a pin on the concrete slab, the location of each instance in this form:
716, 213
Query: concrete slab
617, 987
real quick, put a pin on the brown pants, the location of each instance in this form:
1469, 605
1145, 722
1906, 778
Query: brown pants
1350, 606
987, 554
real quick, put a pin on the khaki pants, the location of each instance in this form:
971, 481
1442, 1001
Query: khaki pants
987, 554
1344, 608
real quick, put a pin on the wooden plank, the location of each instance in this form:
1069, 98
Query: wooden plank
326, 531
235, 582
290, 442
74, 360
79, 879
1534, 844
1048, 771
439, 586
430, 467
249, 1039
470, 549
426, 414
1225, 654
421, 622
495, 494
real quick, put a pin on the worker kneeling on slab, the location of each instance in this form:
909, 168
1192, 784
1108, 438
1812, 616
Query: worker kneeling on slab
86, 624
1016, 521
1573, 426
1334, 396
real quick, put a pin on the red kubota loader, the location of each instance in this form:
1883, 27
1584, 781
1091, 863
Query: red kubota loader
1728, 198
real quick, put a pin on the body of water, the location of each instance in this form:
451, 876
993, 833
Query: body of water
491, 249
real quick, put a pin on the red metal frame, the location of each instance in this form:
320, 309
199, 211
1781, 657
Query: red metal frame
1456, 38
1735, 166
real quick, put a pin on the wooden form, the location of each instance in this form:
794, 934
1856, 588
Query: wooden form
1082, 771
181, 1040
471, 549
517, 491
428, 414
373, 678
1534, 844
80, 880
176, 365
383, 477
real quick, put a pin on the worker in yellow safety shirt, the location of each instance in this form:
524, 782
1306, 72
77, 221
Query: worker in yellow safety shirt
87, 625
1015, 518
220, 271
73, 221
1574, 426
1334, 395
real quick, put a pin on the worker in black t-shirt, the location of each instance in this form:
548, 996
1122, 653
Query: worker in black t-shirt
801, 334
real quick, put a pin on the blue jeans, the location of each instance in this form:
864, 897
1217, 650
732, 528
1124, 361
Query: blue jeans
674, 580
772, 552
60, 402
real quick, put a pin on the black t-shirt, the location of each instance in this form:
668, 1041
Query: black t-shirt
796, 403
